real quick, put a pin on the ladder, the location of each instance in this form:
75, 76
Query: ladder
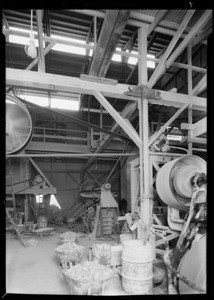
15, 226
10, 196
9, 184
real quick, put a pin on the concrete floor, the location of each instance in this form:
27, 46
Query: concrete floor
35, 270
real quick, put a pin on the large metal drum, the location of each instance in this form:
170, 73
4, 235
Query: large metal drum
193, 267
173, 182
18, 125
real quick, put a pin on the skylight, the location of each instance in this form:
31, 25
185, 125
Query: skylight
117, 57
39, 100
72, 103
72, 49
68, 48
65, 104
133, 60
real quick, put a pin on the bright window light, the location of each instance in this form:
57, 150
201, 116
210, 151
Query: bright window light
39, 100
67, 39
174, 137
117, 57
21, 30
91, 51
21, 40
69, 49
65, 104
133, 60
53, 201
151, 64
39, 198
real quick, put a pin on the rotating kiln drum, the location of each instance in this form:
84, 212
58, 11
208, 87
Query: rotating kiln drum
173, 182
18, 125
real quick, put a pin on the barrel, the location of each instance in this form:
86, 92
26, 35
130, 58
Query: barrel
126, 236
137, 267
42, 222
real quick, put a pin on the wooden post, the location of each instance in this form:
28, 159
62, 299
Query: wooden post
41, 64
95, 32
26, 208
189, 61
145, 212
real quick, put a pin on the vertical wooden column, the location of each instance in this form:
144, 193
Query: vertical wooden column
145, 211
41, 63
101, 121
189, 61
26, 207
95, 32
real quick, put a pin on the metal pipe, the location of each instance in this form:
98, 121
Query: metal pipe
180, 148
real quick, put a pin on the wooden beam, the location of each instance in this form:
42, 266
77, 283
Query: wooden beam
46, 50
142, 62
5, 21
197, 140
117, 117
189, 76
161, 66
126, 113
188, 39
200, 127
156, 20
75, 120
55, 82
112, 28
42, 174
104, 37
163, 128
139, 19
202, 36
201, 86
41, 65
145, 203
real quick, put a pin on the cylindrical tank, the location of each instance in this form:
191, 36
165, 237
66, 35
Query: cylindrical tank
18, 125
193, 267
137, 267
173, 182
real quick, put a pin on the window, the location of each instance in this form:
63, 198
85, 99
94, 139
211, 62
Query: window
68, 48
117, 57
133, 60
39, 100
65, 104
171, 137
39, 198
71, 102
53, 201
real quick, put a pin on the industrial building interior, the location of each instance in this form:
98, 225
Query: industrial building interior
106, 150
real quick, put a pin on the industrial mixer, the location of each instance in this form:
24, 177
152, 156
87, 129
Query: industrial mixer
181, 184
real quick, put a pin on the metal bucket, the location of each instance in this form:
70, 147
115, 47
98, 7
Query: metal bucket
137, 267
42, 222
